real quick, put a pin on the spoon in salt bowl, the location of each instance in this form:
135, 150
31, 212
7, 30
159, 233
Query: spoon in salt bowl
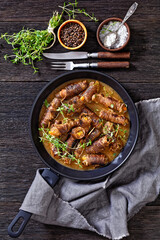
112, 36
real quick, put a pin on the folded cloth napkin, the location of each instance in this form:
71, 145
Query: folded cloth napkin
105, 206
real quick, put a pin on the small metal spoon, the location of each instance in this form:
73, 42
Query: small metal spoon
131, 10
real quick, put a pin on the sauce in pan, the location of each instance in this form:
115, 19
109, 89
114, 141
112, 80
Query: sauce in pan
84, 124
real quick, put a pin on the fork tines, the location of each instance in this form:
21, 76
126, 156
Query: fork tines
58, 65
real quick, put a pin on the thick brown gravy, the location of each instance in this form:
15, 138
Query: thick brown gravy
122, 134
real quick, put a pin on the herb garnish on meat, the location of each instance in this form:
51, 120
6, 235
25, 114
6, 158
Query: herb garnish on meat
59, 145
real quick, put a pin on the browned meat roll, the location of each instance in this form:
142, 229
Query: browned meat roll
99, 145
67, 160
111, 130
113, 117
57, 122
64, 137
108, 128
54, 152
88, 93
79, 150
91, 137
94, 159
85, 122
63, 128
96, 121
78, 132
74, 105
70, 143
116, 146
50, 113
60, 129
110, 102
72, 90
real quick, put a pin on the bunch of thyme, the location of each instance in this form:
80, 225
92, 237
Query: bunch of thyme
28, 44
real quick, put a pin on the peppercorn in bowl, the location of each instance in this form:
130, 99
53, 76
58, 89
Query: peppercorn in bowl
72, 34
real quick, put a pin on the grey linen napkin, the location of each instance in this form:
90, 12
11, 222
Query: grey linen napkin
105, 206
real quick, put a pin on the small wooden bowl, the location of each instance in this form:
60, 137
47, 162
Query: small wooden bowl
70, 21
105, 22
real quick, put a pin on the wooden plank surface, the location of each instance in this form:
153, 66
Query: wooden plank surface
19, 87
144, 55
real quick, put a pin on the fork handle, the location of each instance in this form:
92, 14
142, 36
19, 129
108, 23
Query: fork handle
110, 65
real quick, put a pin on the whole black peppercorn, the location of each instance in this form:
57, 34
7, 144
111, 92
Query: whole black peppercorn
72, 34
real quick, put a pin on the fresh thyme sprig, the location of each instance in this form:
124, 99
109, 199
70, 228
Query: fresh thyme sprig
85, 144
28, 44
60, 146
71, 10
61, 110
65, 107
108, 28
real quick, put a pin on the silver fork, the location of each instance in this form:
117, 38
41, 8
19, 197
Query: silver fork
70, 65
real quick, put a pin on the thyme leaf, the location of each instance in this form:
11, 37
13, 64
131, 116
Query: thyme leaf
89, 143
85, 144
46, 103
112, 105
65, 107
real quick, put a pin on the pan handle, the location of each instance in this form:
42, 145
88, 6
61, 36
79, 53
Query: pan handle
21, 214
51, 178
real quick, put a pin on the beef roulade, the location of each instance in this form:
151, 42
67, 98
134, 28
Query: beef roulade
72, 90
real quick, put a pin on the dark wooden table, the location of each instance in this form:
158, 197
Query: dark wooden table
19, 87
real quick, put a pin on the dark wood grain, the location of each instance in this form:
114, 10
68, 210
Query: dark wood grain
19, 87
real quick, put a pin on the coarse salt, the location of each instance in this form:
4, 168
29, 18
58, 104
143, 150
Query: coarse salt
108, 39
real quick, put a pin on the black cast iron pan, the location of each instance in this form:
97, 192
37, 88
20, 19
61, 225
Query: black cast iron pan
51, 175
